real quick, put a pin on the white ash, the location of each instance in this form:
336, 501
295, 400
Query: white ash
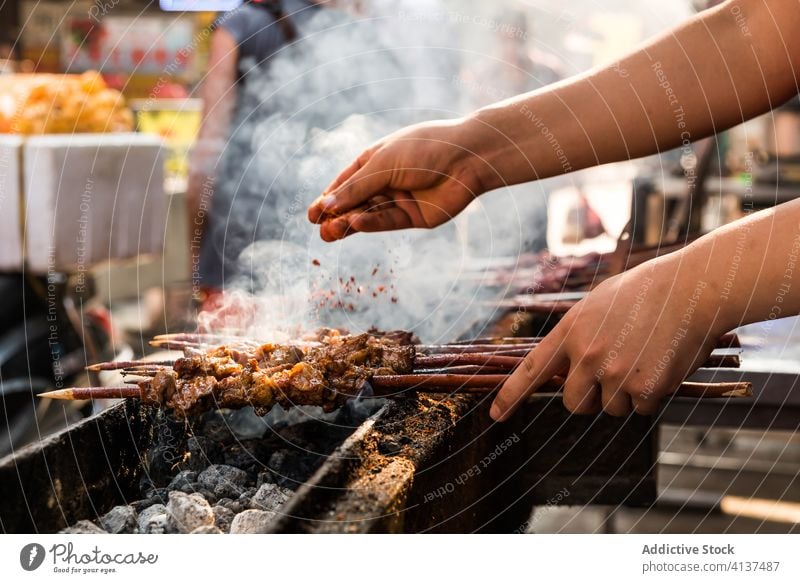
223, 517
252, 522
270, 497
120, 520
223, 480
187, 512
153, 520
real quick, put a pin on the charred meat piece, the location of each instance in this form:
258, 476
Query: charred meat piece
323, 374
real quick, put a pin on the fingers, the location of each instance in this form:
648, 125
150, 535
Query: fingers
616, 401
335, 229
389, 212
390, 219
539, 366
644, 404
364, 184
582, 392
316, 208
345, 174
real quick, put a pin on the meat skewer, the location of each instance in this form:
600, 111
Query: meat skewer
439, 360
325, 373
385, 386
482, 345
432, 356
503, 360
727, 340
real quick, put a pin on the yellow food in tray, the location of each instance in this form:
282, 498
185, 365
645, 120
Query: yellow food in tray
61, 104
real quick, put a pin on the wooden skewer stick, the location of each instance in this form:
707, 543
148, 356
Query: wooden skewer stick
202, 338
422, 382
178, 344
466, 369
727, 340
120, 364
389, 384
509, 362
87, 393
443, 360
715, 390
474, 348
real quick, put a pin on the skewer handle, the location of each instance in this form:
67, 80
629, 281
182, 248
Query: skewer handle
489, 383
87, 393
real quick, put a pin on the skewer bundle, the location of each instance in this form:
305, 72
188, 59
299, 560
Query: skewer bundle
218, 371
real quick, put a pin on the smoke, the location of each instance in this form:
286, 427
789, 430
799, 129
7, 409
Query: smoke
348, 82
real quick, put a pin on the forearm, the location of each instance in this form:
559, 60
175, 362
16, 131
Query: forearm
701, 78
750, 269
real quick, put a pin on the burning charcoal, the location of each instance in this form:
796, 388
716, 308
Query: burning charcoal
119, 520
270, 497
246, 496
202, 451
185, 481
206, 529
245, 424
215, 427
186, 512
224, 481
289, 468
223, 517
252, 522
266, 477
83, 527
153, 520
278, 460
140, 505
149, 490
240, 456
234, 506
207, 494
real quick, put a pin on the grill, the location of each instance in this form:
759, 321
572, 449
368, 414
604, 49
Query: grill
427, 463
417, 464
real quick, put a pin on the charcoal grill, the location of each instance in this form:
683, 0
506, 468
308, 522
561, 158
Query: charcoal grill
405, 469
430, 463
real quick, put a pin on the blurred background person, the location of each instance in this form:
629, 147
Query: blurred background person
242, 46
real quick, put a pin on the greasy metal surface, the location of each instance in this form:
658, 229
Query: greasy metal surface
418, 465
364, 485
459, 472
775, 403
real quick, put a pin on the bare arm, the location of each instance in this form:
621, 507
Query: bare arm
727, 65
638, 335
730, 64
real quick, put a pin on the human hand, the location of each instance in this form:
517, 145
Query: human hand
629, 343
419, 177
